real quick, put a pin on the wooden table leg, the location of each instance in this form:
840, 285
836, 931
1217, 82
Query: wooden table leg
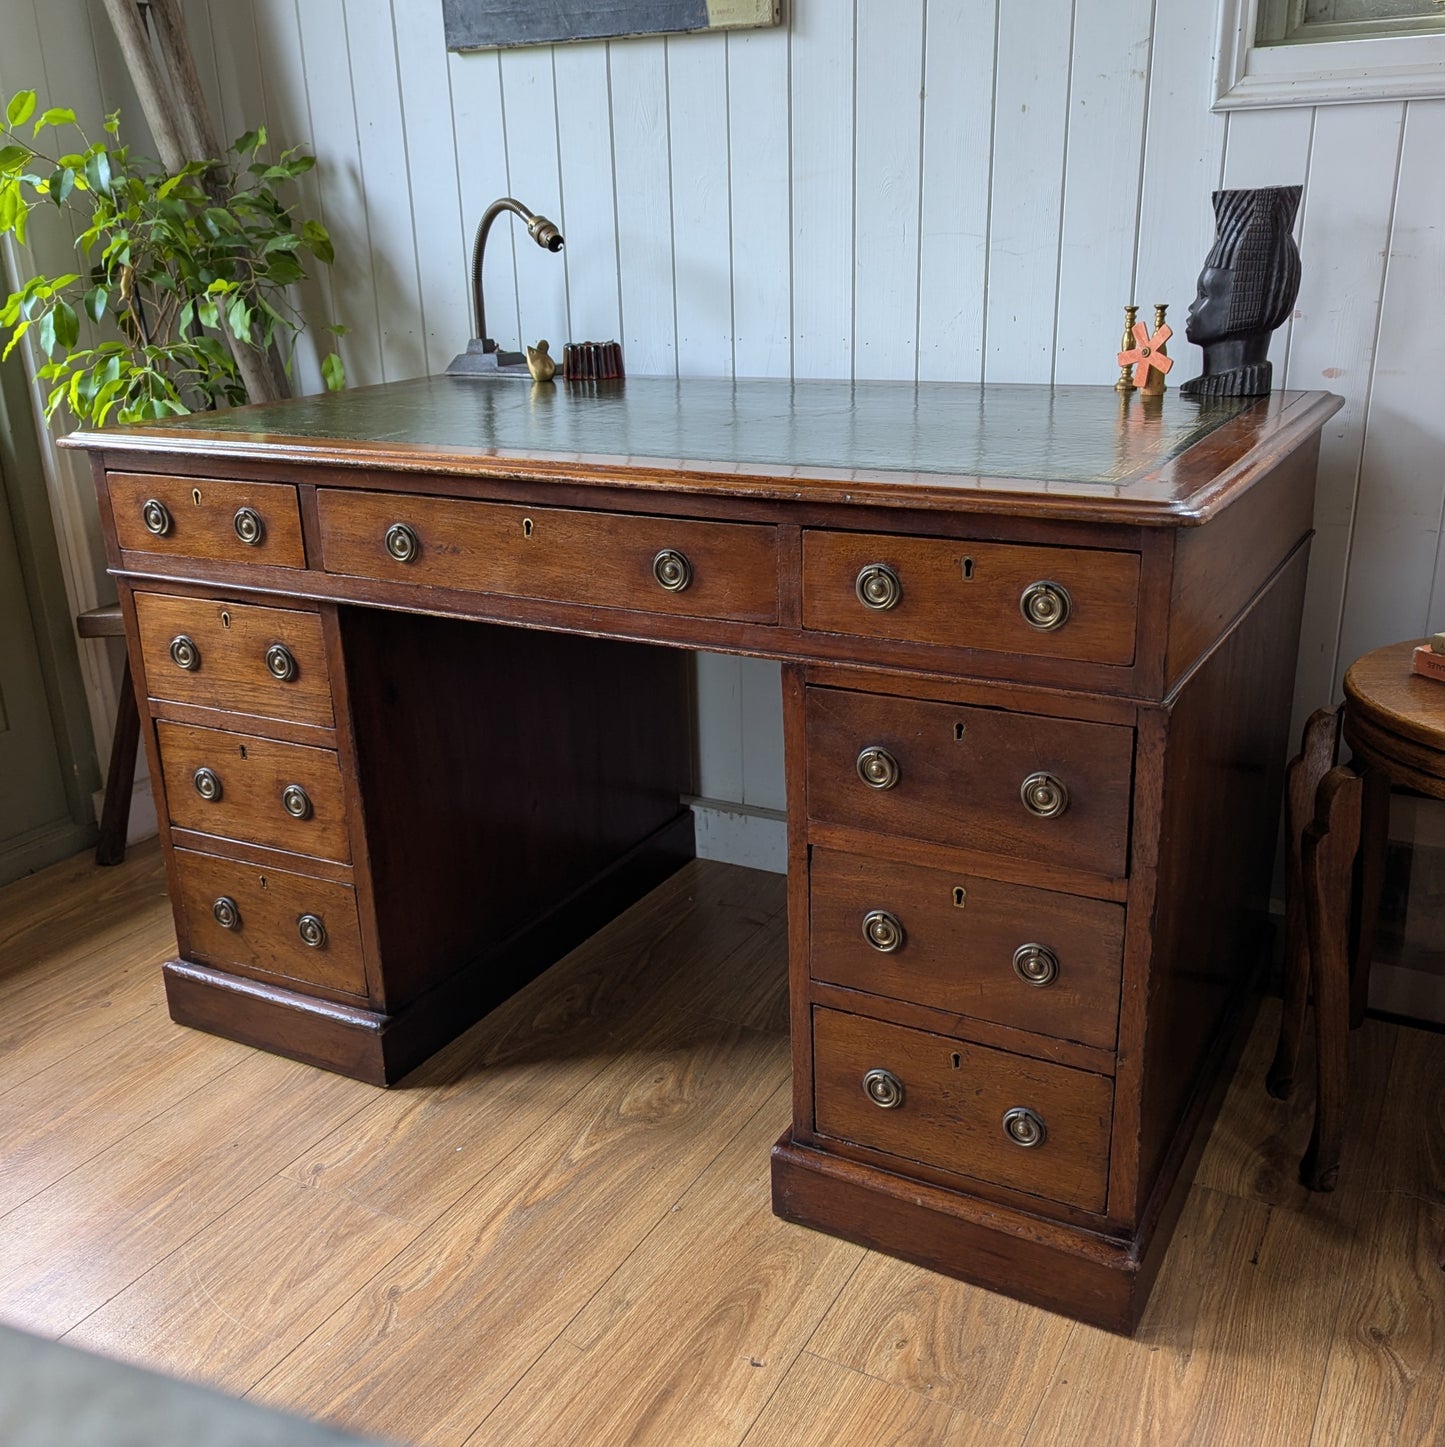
120, 780
1302, 781
1374, 839
1327, 866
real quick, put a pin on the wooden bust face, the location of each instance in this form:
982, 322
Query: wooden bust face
1246, 289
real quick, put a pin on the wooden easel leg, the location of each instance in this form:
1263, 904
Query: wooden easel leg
1328, 858
120, 778
1374, 838
1302, 781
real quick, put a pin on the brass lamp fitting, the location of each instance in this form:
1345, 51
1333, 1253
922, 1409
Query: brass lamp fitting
482, 355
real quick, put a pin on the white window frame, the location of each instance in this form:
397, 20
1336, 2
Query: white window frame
1334, 71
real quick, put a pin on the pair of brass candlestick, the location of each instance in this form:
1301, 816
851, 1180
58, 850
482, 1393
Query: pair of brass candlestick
1139, 348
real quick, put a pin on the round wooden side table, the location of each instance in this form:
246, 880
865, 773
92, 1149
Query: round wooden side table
1338, 822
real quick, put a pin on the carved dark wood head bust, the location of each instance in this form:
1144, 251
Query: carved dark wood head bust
1247, 288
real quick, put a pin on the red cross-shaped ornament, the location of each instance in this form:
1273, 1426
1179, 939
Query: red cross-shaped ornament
1145, 352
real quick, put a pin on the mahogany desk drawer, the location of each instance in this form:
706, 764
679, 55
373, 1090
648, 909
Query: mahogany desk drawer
964, 1108
614, 560
1022, 785
187, 517
271, 921
235, 656
1029, 958
1082, 602
287, 796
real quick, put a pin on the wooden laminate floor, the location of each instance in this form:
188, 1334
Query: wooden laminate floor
558, 1230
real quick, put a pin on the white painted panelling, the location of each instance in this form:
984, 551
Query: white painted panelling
643, 170
529, 106
442, 234
821, 138
761, 261
1107, 94
1183, 163
888, 119
1345, 230
1392, 590
697, 108
852, 193
389, 235
481, 176
957, 146
589, 204
1030, 126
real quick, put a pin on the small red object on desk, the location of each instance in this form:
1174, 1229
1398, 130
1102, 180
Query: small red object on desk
1427, 663
1146, 353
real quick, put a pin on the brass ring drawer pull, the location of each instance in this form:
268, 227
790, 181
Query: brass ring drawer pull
883, 931
672, 570
249, 527
1036, 964
1045, 605
281, 662
208, 786
878, 587
884, 1089
296, 801
226, 912
1024, 1127
156, 516
311, 930
878, 768
402, 543
1044, 795
184, 653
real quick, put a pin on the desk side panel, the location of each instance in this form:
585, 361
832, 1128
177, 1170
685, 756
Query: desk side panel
501, 772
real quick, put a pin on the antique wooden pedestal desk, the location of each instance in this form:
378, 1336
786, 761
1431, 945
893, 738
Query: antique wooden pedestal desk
413, 661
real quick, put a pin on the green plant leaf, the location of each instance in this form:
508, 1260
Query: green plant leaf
13, 157
238, 318
47, 333
67, 324
11, 206
62, 183
112, 122
286, 241
96, 301
209, 313
21, 107
55, 116
14, 341
97, 172
333, 369
317, 240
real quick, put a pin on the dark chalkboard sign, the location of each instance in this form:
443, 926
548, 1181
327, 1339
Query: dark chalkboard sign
492, 24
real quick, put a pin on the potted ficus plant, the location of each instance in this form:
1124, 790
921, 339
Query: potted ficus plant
178, 272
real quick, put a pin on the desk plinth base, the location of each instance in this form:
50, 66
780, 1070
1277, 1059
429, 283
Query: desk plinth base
380, 1048
1093, 1278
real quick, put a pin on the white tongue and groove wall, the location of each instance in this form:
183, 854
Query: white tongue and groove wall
965, 189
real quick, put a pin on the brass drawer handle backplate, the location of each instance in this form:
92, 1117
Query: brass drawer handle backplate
296, 801
184, 653
1024, 1127
884, 1089
311, 930
1045, 606
1036, 964
281, 662
1044, 795
156, 516
208, 786
226, 913
878, 587
402, 543
249, 527
878, 768
672, 570
883, 931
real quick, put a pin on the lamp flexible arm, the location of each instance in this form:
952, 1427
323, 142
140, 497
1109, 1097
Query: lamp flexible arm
542, 231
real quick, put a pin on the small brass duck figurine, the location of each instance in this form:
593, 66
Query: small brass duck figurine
542, 367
